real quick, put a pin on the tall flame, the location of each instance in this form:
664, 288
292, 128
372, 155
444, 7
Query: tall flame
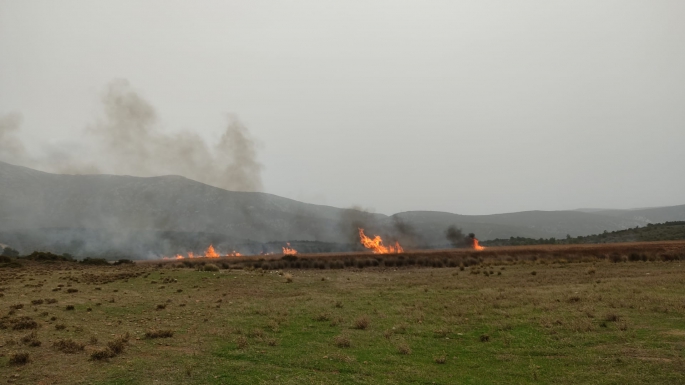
476, 245
210, 253
376, 244
289, 251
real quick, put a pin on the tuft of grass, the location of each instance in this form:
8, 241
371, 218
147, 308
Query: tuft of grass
484, 338
322, 317
342, 341
70, 307
37, 302
440, 359
68, 346
101, 354
17, 359
31, 339
151, 334
403, 349
611, 317
242, 342
362, 323
60, 327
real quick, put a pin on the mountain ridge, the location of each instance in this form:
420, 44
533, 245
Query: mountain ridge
32, 200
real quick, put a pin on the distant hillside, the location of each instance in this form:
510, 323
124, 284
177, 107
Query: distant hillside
88, 215
668, 231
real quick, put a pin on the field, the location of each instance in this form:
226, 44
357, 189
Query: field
601, 314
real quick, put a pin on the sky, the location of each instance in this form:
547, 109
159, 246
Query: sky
470, 107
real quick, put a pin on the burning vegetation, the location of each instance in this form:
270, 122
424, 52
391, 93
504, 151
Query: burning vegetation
376, 244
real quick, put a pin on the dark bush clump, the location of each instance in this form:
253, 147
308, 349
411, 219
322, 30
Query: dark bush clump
95, 261
43, 256
17, 359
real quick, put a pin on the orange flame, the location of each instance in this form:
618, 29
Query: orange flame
376, 244
210, 253
289, 251
476, 245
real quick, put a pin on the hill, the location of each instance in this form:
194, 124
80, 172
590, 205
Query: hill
146, 217
668, 231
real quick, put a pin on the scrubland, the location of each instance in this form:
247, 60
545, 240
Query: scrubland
547, 314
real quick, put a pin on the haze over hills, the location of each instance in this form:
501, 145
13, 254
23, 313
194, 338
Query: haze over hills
148, 216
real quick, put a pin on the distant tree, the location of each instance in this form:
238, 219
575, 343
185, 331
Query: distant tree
10, 252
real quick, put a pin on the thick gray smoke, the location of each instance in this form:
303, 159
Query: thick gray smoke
129, 140
455, 236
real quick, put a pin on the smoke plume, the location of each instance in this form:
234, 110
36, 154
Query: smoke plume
128, 140
455, 236
10, 146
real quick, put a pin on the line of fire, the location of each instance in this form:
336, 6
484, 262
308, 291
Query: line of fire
374, 245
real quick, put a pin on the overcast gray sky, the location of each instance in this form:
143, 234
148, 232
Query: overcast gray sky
471, 107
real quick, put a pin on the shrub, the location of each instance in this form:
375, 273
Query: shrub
484, 338
17, 359
95, 261
70, 307
51, 300
42, 256
37, 302
24, 323
211, 267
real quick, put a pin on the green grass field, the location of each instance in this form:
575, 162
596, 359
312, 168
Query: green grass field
542, 321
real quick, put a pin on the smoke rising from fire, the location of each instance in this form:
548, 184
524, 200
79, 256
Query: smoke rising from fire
455, 236
11, 146
128, 140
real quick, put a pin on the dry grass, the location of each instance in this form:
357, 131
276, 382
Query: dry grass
18, 359
362, 323
623, 319
68, 346
342, 341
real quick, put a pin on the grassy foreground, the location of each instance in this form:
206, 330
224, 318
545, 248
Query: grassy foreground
526, 321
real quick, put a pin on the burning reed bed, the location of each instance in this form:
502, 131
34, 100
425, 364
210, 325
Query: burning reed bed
493, 256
